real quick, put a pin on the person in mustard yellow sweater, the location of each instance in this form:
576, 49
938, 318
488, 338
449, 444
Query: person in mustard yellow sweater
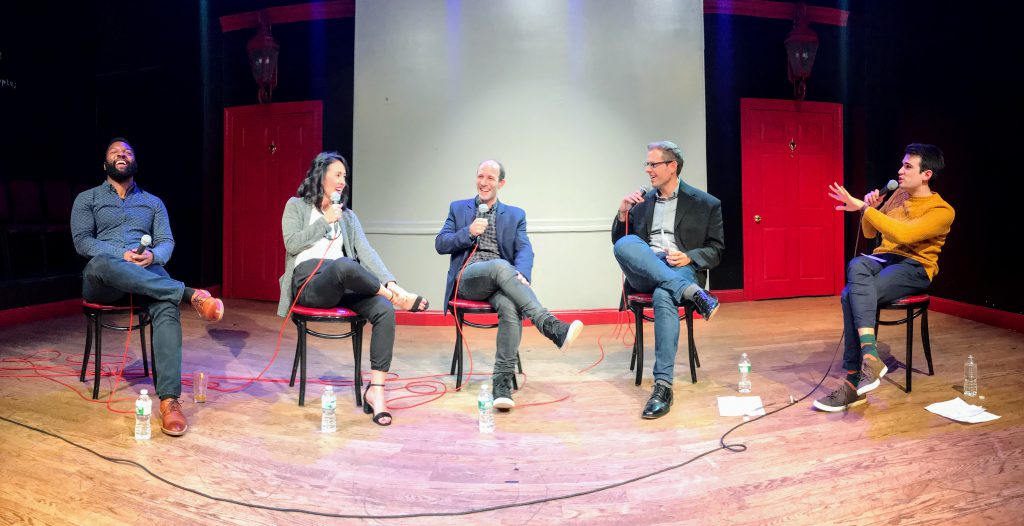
913, 225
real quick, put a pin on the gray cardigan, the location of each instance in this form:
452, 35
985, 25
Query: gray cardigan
299, 235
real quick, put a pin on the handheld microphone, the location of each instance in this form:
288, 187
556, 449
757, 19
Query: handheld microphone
481, 211
335, 198
889, 187
143, 243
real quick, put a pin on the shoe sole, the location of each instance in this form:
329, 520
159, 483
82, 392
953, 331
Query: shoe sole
574, 332
830, 409
712, 313
504, 403
873, 385
174, 433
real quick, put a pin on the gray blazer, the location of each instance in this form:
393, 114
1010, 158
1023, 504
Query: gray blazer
299, 235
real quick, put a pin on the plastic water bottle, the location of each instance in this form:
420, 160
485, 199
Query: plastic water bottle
328, 420
143, 411
485, 403
744, 385
970, 377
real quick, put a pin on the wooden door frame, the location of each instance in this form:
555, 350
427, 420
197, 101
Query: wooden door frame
316, 107
835, 108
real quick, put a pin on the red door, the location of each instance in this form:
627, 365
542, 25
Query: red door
792, 234
267, 150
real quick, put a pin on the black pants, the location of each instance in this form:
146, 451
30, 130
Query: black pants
344, 283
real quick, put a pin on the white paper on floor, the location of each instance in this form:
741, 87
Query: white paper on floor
957, 409
740, 406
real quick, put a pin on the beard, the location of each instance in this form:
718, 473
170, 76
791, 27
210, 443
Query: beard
118, 175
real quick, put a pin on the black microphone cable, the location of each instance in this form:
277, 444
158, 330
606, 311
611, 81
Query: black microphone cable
734, 447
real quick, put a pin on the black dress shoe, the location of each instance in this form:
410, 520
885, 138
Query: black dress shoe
659, 403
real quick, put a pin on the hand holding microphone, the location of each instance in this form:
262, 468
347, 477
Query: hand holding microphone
632, 199
875, 198
479, 225
332, 214
140, 256
144, 244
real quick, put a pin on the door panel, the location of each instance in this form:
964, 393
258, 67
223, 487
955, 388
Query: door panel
267, 150
792, 233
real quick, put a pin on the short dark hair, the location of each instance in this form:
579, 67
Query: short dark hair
116, 139
670, 152
931, 157
312, 188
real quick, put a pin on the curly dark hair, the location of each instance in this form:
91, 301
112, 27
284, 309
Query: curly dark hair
312, 188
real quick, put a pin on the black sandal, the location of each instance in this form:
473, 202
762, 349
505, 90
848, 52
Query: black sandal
368, 409
420, 300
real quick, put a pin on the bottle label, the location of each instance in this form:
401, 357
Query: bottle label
745, 369
142, 409
484, 405
330, 404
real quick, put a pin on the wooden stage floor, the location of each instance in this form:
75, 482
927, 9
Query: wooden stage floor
886, 462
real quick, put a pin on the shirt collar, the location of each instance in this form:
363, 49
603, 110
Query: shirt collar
675, 193
131, 189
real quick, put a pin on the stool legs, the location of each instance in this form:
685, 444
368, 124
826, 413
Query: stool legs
638, 342
357, 355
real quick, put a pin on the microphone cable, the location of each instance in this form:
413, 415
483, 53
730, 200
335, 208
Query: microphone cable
722, 445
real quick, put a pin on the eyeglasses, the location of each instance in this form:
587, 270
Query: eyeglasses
649, 164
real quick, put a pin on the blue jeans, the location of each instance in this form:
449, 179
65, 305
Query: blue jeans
648, 271
107, 279
495, 281
870, 283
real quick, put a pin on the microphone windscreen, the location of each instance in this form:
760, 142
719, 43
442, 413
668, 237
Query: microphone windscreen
644, 189
482, 209
892, 185
335, 197
146, 240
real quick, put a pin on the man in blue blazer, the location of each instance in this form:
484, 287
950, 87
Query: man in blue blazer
492, 236
664, 240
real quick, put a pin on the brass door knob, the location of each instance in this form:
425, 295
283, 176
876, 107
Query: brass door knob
757, 219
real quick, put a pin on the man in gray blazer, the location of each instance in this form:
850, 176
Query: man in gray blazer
663, 239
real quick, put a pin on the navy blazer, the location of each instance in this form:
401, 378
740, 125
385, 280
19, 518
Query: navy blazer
698, 225
513, 243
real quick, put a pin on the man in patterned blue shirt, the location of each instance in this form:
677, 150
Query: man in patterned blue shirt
107, 226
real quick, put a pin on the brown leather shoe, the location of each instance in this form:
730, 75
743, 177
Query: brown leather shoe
208, 307
172, 419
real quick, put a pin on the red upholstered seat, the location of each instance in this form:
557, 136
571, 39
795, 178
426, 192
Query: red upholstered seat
107, 308
910, 300
460, 303
640, 298
334, 312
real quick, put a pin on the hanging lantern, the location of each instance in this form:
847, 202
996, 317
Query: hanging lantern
263, 51
801, 47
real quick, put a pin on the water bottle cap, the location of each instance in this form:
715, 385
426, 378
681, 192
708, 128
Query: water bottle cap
329, 388
144, 391
484, 386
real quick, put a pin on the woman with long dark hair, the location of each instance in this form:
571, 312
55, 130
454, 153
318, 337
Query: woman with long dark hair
318, 227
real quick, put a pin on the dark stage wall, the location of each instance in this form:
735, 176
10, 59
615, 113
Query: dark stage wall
917, 71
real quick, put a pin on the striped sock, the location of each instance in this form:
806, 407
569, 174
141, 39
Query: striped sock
867, 346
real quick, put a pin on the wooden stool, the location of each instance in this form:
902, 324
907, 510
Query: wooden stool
301, 316
94, 328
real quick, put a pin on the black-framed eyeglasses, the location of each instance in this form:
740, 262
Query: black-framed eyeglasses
649, 164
